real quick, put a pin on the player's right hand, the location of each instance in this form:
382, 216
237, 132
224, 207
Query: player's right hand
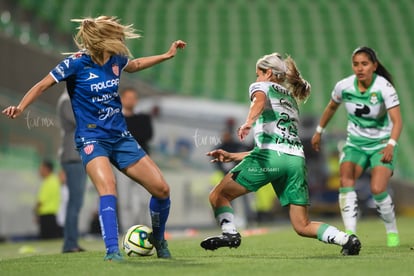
12, 111
316, 141
220, 155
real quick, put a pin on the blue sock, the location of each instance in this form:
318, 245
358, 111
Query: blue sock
109, 224
160, 209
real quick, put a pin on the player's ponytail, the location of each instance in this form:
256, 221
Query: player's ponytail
300, 87
381, 70
286, 71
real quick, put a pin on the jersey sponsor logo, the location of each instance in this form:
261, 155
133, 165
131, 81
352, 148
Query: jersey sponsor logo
115, 69
105, 97
92, 76
88, 149
286, 103
104, 84
394, 98
361, 109
280, 89
66, 62
108, 112
59, 69
290, 142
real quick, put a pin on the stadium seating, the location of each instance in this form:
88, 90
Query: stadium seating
225, 38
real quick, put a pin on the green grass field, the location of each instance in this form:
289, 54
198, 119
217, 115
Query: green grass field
278, 252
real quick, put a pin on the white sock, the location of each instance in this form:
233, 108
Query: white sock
348, 203
226, 221
331, 234
385, 208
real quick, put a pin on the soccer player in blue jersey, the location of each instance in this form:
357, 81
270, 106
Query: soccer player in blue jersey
92, 77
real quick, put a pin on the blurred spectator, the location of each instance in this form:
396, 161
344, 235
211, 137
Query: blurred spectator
265, 204
48, 201
133, 208
74, 173
139, 124
64, 197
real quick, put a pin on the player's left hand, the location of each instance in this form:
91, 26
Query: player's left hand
178, 44
220, 155
387, 154
243, 131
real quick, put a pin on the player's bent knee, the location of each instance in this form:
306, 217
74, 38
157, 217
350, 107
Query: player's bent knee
300, 229
162, 191
301, 232
213, 198
347, 182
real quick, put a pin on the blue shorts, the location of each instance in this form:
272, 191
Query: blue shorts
121, 151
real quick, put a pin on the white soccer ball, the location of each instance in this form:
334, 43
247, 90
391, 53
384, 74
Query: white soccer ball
136, 243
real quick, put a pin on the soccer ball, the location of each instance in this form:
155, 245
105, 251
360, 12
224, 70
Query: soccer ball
136, 243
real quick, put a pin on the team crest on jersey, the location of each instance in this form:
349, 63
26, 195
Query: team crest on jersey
115, 69
374, 98
88, 149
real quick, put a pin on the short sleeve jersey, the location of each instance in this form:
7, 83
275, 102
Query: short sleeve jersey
277, 127
367, 112
93, 90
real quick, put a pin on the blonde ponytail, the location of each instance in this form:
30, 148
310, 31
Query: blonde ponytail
300, 87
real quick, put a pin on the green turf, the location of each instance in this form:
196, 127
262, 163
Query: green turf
280, 252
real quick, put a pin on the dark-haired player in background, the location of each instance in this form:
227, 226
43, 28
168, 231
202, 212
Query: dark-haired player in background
374, 126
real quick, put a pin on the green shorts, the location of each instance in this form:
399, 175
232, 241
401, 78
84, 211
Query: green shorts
365, 158
287, 173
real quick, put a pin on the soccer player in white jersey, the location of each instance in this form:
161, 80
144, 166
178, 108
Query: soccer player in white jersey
374, 126
277, 158
92, 77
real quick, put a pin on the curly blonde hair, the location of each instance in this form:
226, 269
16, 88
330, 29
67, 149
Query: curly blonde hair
103, 34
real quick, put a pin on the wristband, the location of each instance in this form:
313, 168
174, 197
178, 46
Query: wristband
320, 129
392, 142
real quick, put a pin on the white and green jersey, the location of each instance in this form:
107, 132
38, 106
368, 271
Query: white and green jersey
369, 124
277, 127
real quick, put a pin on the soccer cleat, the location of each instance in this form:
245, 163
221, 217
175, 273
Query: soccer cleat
352, 246
393, 240
225, 240
161, 246
116, 257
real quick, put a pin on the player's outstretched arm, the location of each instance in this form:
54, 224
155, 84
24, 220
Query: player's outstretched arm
31, 95
220, 155
145, 62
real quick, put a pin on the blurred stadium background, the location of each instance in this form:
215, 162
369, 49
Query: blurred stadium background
203, 90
